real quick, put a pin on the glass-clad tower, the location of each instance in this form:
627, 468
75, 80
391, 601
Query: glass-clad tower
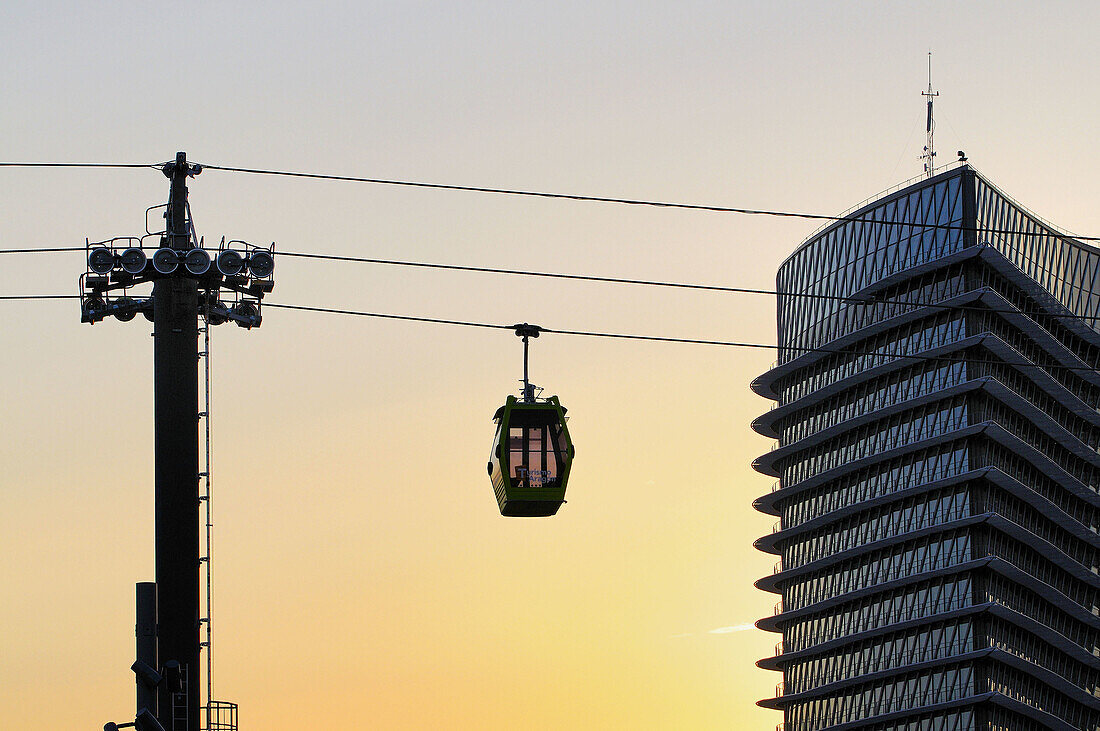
938, 468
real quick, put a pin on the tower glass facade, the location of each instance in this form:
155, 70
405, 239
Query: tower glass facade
938, 471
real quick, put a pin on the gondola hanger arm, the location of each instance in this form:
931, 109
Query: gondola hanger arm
525, 330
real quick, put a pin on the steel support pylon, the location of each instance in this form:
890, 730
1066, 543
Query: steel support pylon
176, 408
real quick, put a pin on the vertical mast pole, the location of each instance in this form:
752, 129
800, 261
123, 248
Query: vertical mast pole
526, 386
526, 332
175, 363
929, 155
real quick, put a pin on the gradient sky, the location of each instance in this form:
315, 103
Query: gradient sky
363, 576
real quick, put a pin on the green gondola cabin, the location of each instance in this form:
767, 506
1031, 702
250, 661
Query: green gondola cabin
532, 452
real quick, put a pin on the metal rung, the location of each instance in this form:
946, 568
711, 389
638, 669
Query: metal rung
204, 474
203, 497
203, 559
202, 353
202, 414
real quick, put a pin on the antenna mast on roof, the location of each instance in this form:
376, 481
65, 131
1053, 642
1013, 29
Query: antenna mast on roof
929, 155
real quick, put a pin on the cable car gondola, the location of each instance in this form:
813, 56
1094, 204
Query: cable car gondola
532, 452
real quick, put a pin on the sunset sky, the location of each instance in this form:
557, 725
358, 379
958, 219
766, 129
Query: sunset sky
363, 575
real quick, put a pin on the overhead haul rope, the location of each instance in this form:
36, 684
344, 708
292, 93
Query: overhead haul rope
864, 301
611, 199
628, 336
691, 341
536, 194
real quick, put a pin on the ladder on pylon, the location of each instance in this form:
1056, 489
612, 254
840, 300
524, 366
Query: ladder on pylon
206, 497
179, 703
